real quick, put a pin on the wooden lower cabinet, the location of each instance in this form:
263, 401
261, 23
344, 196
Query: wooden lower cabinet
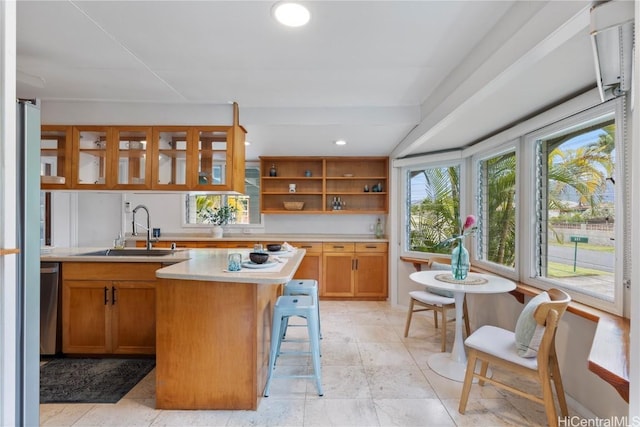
103, 312
354, 270
311, 265
213, 344
349, 270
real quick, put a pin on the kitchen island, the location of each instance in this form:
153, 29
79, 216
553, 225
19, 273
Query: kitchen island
213, 331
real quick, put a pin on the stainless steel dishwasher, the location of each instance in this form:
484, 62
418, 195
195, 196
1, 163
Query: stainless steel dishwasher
50, 316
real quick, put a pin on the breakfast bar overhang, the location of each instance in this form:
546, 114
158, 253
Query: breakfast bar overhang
213, 331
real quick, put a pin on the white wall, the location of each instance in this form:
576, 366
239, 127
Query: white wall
94, 219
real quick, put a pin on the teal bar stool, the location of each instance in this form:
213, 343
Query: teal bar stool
307, 287
305, 307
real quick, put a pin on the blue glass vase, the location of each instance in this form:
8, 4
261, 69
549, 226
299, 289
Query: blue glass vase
460, 261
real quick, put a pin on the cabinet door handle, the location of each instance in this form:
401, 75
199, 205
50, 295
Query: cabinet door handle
106, 295
356, 260
113, 295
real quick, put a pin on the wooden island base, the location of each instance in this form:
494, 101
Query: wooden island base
212, 343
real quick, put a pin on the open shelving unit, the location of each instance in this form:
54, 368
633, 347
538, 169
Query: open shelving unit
319, 181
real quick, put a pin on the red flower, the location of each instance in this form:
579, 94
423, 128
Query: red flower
469, 222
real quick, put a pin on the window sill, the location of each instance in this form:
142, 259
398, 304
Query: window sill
609, 355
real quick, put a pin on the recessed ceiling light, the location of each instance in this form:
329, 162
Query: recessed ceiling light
291, 14
341, 142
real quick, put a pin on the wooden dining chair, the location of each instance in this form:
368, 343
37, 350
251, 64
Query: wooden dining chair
437, 301
529, 352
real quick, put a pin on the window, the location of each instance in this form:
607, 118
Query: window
552, 205
496, 177
247, 206
433, 211
578, 204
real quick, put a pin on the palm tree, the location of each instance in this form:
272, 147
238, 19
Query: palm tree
437, 216
501, 190
583, 170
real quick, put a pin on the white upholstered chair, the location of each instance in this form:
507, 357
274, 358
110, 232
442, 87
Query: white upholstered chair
533, 338
438, 301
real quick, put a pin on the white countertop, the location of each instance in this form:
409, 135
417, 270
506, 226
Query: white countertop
74, 255
211, 265
192, 264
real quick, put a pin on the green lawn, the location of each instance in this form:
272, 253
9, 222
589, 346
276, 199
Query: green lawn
585, 246
558, 270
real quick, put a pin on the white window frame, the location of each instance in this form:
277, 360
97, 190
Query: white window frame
230, 228
438, 160
511, 146
528, 204
522, 138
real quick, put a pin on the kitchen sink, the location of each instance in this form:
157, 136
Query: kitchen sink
129, 252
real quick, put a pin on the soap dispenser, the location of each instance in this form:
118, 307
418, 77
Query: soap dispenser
379, 229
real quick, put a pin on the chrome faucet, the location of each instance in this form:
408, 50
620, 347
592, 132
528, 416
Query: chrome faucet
134, 232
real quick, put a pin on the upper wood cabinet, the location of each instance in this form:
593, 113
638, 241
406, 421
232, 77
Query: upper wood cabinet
133, 151
55, 156
218, 162
178, 158
172, 152
93, 157
336, 185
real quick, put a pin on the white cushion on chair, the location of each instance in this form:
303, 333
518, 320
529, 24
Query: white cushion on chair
443, 267
431, 298
528, 332
500, 343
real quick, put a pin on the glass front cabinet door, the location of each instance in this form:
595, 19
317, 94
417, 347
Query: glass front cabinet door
133, 171
171, 154
55, 157
213, 157
91, 168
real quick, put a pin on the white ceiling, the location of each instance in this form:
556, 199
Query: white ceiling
390, 77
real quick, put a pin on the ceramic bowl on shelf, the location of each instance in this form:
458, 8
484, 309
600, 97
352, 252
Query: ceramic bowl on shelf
258, 257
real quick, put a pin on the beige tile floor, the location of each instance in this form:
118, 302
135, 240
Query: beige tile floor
371, 374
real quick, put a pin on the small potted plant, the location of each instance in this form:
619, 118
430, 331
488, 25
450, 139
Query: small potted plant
220, 216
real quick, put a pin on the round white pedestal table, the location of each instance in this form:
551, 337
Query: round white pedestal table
453, 365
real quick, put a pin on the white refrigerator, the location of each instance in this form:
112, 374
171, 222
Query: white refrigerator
27, 263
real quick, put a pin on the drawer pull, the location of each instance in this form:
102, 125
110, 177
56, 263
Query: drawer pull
371, 246
307, 246
338, 247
